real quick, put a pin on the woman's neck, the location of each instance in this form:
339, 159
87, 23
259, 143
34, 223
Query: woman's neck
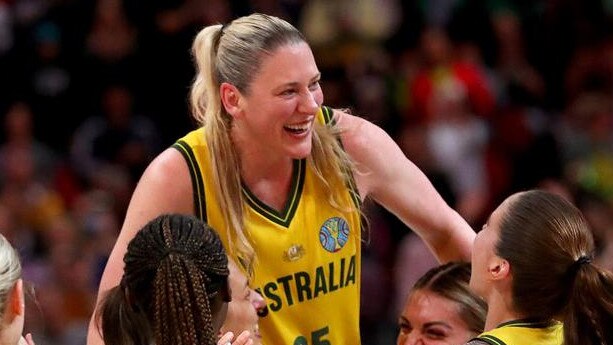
269, 180
500, 310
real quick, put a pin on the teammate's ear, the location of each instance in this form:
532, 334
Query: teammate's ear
16, 299
230, 99
499, 269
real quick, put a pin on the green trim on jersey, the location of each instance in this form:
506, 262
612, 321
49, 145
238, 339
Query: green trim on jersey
311, 266
490, 339
329, 120
284, 217
525, 331
328, 114
196, 176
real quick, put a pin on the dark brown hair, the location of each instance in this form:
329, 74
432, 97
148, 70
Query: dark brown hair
549, 246
451, 281
176, 272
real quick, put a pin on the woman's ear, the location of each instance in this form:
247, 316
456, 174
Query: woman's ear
230, 98
499, 269
17, 301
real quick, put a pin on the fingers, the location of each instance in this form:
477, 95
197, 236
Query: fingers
226, 339
243, 339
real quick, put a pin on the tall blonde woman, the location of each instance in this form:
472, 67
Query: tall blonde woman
282, 178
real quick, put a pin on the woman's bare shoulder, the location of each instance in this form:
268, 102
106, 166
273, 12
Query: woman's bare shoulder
165, 185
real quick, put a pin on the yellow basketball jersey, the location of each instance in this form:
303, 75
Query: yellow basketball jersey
525, 332
308, 254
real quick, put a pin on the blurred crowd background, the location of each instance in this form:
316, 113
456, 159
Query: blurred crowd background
488, 97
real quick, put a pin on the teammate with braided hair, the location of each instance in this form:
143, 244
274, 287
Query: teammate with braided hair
531, 262
174, 289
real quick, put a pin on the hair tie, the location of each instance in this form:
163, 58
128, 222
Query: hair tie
583, 259
217, 38
223, 27
575, 266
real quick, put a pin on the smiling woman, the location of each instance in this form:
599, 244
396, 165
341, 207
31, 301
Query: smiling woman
244, 307
441, 309
282, 178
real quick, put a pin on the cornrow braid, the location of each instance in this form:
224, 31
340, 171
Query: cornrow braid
175, 267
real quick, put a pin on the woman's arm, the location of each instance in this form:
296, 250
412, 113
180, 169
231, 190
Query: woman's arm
386, 175
164, 187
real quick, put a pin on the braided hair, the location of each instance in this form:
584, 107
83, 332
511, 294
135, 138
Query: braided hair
173, 287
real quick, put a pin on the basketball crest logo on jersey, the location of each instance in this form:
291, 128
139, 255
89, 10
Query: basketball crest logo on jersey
333, 234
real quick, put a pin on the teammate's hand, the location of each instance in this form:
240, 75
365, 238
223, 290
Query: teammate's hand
243, 339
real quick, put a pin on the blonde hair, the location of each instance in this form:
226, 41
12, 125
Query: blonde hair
233, 53
10, 270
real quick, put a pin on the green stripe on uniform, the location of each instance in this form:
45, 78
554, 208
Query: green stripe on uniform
490, 339
196, 176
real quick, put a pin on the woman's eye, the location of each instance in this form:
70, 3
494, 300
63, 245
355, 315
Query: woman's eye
404, 327
436, 334
288, 92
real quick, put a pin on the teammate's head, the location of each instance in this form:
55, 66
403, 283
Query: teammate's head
244, 307
11, 294
441, 309
542, 245
174, 289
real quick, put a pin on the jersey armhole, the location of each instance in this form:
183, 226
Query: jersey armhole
196, 177
330, 120
328, 115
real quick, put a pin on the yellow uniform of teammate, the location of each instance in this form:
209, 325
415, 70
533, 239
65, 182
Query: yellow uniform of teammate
308, 261
524, 332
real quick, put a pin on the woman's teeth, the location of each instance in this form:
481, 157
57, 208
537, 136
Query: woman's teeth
297, 128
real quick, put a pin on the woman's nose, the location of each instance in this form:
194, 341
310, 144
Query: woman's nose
413, 338
257, 301
308, 103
